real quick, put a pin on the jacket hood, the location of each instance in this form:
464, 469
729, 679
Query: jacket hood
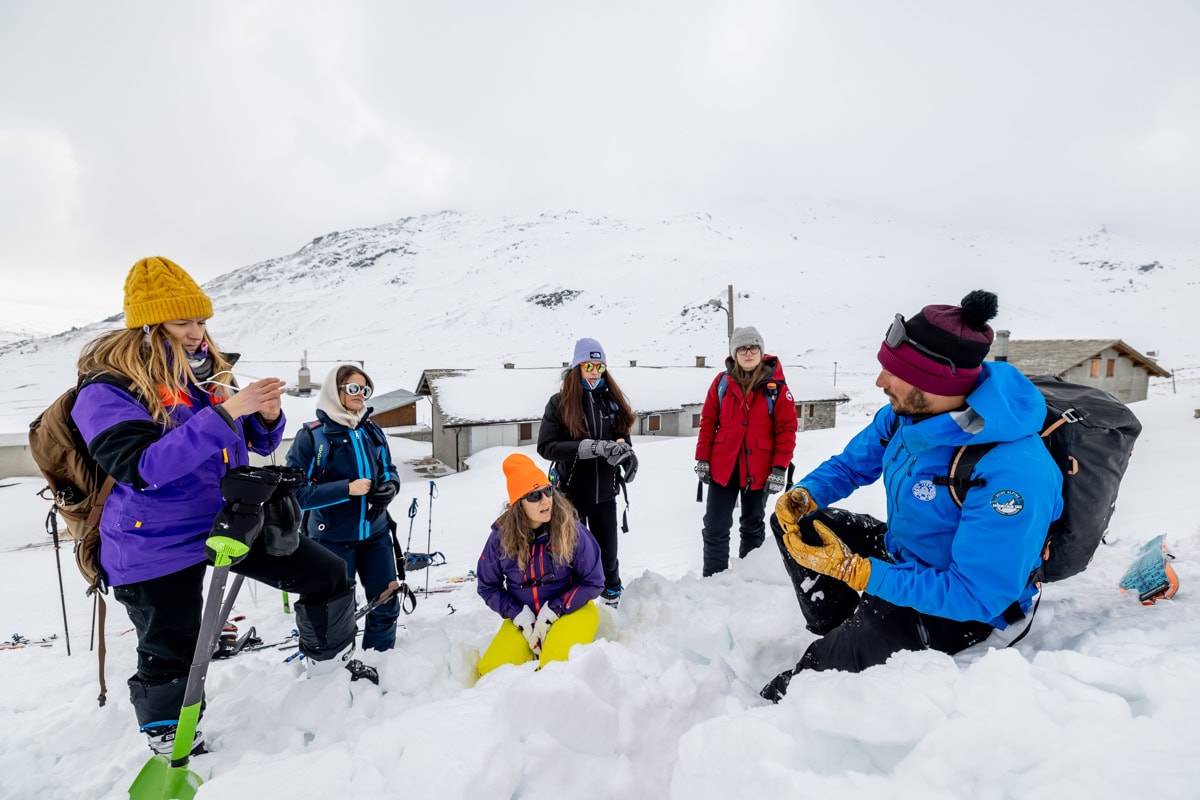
1003, 407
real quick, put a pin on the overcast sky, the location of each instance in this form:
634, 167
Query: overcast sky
223, 133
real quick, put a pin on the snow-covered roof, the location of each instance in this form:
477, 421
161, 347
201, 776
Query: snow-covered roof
474, 396
1058, 356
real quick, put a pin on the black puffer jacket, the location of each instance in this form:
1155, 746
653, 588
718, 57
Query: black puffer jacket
584, 480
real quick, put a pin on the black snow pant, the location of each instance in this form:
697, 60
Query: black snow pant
374, 561
861, 632
601, 519
718, 520
166, 613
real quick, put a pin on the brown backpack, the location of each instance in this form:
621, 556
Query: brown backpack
77, 486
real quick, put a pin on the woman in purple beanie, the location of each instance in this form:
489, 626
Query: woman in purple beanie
585, 430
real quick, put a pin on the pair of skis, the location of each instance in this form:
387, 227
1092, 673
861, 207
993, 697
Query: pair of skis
19, 642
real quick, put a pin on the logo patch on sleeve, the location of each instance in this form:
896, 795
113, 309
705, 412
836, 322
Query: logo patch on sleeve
924, 490
1007, 503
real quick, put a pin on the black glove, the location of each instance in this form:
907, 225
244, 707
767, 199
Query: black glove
630, 467
245, 490
776, 481
703, 471
281, 514
378, 498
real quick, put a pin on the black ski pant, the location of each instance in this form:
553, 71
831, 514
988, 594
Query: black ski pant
601, 519
859, 632
718, 520
374, 561
166, 613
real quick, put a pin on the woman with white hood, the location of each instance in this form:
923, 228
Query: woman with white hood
351, 480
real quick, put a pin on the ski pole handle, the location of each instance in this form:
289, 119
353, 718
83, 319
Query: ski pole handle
412, 509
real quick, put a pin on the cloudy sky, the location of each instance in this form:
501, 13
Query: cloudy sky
223, 133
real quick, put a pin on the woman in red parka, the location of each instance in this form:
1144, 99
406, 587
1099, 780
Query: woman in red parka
747, 435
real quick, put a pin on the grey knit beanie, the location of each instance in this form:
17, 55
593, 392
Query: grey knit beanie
744, 337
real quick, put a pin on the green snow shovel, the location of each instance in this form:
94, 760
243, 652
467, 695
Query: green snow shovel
169, 778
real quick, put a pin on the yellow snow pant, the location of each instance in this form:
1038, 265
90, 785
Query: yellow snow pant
509, 646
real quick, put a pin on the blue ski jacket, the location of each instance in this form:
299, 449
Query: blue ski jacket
353, 453
963, 564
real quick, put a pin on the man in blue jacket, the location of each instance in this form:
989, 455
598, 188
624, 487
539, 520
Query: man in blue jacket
936, 576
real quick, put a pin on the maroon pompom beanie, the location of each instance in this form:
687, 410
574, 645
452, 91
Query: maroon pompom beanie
959, 334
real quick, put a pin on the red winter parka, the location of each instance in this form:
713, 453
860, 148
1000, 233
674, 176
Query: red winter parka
739, 430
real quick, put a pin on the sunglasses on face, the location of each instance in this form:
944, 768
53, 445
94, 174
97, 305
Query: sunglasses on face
752, 349
537, 494
897, 335
591, 366
353, 389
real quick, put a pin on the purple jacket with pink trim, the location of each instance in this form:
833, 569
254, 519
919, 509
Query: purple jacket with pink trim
506, 588
168, 480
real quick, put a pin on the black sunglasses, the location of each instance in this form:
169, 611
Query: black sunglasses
357, 388
537, 494
533, 583
897, 335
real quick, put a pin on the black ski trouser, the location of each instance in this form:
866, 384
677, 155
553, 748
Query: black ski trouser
718, 521
601, 519
166, 613
861, 632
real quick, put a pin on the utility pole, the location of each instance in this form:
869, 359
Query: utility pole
730, 310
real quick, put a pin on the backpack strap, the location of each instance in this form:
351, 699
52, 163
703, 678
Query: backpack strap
892, 434
771, 392
959, 480
320, 451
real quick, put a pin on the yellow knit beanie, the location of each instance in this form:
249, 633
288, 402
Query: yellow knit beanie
158, 290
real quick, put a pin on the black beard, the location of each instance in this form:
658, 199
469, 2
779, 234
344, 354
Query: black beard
914, 404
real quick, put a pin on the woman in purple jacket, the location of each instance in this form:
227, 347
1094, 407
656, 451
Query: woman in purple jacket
160, 413
540, 570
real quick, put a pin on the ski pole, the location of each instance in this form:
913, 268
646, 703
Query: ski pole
287, 603
429, 533
412, 516
52, 526
227, 606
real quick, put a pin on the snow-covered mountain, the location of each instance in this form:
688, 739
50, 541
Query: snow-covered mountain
456, 290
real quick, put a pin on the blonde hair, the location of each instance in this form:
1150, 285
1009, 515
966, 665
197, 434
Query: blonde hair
155, 364
516, 534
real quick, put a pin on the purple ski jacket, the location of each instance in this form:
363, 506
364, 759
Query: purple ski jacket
507, 589
168, 480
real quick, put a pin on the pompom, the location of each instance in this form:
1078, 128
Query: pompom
978, 307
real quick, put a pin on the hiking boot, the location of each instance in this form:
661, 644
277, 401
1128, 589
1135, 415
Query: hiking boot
612, 597
777, 688
161, 739
358, 670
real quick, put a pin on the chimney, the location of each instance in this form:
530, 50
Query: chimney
304, 381
566, 364
633, 362
1152, 355
700, 361
509, 365
1000, 346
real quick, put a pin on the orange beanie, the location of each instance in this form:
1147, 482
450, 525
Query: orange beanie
523, 477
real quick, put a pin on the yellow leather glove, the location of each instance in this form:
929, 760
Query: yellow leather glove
832, 558
792, 505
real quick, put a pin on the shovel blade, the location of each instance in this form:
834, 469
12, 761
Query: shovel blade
158, 780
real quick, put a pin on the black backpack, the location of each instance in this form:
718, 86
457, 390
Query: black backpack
1090, 435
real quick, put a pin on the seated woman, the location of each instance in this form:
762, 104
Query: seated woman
540, 570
